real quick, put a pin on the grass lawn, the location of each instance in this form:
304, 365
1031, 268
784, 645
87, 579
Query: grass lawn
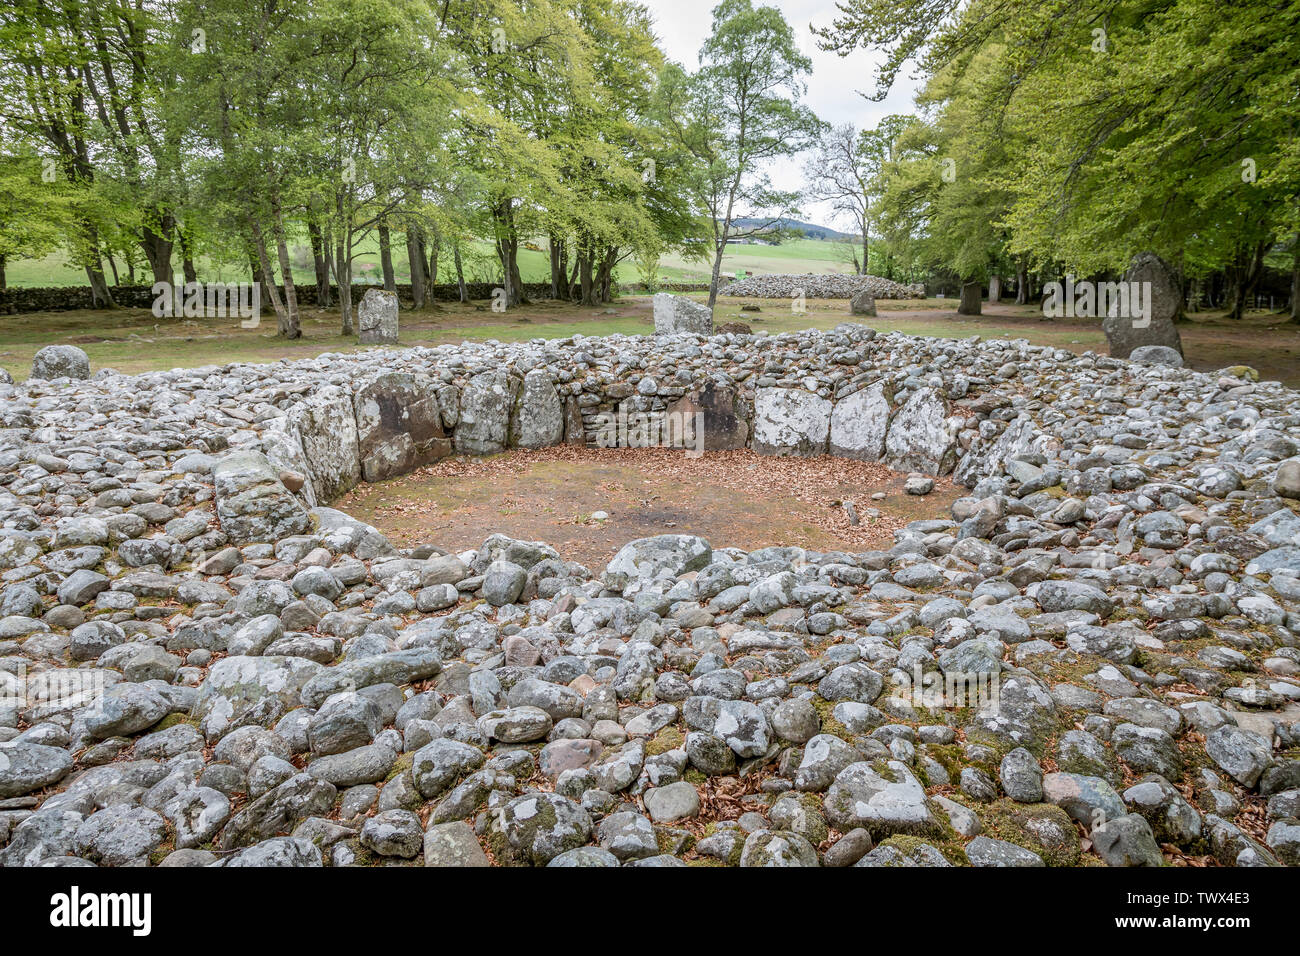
133, 340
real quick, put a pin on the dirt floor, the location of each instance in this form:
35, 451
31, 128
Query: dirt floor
736, 498
133, 340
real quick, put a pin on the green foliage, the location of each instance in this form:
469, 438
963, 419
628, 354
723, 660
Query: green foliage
231, 133
739, 112
1078, 133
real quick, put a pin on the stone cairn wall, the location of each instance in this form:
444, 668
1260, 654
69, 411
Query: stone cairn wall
821, 286
204, 664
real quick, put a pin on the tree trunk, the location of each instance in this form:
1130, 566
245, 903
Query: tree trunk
720, 241
866, 253
100, 297
188, 268
1247, 281
386, 258
3, 284
321, 265
259, 279
605, 275
516, 278
343, 279
717, 272
507, 247
1295, 280
289, 326
460, 273
1022, 284
557, 274
158, 252
112, 265
507, 252
264, 262
415, 258
970, 299
99, 294
587, 296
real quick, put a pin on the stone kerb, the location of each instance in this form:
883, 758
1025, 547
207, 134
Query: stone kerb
332, 422
390, 423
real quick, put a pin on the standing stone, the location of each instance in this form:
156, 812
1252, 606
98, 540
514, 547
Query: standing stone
575, 432
970, 299
791, 421
863, 303
60, 361
995, 288
538, 417
920, 437
377, 317
485, 407
723, 427
675, 314
399, 425
327, 429
1162, 300
859, 422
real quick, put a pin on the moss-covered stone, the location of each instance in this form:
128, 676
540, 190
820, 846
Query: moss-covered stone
1038, 827
669, 738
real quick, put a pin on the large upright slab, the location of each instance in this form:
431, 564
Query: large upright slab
537, 420
399, 425
675, 314
791, 421
859, 423
377, 317
486, 403
327, 426
920, 436
713, 407
1162, 300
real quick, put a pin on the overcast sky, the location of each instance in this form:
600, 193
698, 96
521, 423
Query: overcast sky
682, 26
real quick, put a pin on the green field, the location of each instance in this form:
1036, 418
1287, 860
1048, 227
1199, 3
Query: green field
794, 256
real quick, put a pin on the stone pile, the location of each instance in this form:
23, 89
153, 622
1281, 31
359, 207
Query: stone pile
813, 286
204, 664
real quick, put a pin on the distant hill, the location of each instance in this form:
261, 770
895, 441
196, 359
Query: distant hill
810, 230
